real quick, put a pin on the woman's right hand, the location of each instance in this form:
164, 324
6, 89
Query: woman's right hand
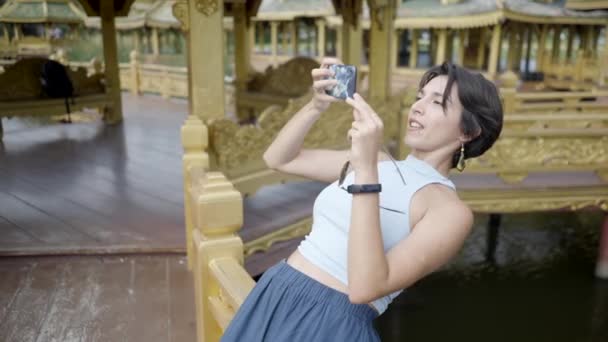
321, 100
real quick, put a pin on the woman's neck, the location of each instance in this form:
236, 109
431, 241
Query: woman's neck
436, 159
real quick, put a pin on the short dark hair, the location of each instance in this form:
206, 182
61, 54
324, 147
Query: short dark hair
482, 108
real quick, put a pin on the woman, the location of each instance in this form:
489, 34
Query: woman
366, 247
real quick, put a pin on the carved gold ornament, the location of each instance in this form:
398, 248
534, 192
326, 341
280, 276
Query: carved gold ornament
180, 12
207, 7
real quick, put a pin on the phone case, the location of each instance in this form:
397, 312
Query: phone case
347, 81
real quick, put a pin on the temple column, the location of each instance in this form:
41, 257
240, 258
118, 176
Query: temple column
260, 32
540, 50
481, 48
413, 49
17, 32
380, 51
320, 38
396, 37
556, 44
339, 43
588, 40
206, 27
519, 33
462, 38
528, 49
494, 51
284, 41
440, 57
352, 43
274, 41
242, 47
155, 44
293, 36
112, 78
571, 32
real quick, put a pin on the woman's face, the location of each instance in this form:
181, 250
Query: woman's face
429, 127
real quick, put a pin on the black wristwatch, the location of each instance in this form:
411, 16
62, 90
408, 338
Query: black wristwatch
364, 188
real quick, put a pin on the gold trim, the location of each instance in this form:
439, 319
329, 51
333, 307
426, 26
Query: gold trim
526, 18
586, 4
262, 244
467, 21
536, 199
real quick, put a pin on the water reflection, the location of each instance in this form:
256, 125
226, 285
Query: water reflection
540, 287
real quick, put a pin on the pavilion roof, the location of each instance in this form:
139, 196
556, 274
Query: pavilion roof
42, 11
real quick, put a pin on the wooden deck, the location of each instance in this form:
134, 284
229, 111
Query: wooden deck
109, 298
88, 188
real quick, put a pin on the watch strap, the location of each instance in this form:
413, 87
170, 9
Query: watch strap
364, 188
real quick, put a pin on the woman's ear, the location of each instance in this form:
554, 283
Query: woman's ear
466, 138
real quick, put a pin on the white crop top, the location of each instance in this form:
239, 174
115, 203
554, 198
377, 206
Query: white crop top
326, 244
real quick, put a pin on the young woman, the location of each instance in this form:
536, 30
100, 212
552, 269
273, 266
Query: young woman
366, 246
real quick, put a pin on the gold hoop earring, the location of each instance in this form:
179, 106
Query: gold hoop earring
460, 166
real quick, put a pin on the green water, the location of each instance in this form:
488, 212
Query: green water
540, 288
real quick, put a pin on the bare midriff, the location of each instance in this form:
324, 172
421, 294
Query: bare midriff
300, 263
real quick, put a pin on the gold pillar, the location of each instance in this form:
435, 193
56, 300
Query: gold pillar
5, 32
494, 51
571, 33
481, 47
320, 37
242, 49
260, 32
155, 44
16, 31
541, 46
284, 41
352, 43
112, 79
273, 41
512, 51
396, 36
339, 43
380, 50
441, 46
413, 49
556, 44
588, 39
252, 36
293, 37
462, 38
136, 44
207, 78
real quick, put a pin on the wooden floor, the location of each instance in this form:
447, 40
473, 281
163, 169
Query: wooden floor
88, 188
109, 298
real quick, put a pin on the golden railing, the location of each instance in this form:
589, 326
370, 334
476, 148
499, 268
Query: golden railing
214, 215
580, 74
550, 102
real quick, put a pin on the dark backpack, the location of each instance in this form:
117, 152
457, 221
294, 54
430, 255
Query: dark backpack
56, 83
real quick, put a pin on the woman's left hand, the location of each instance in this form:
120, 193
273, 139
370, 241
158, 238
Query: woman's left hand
366, 134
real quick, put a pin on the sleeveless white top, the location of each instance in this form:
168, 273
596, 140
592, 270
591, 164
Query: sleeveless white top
326, 244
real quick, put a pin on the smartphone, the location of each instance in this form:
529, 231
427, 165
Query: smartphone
347, 81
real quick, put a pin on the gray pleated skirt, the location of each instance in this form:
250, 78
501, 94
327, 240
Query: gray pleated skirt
288, 305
